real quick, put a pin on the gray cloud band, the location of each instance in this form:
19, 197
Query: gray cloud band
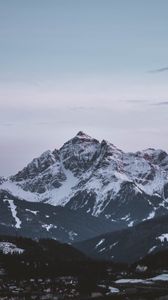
159, 70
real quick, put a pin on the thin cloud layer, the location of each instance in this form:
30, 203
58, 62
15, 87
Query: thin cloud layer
160, 70
162, 103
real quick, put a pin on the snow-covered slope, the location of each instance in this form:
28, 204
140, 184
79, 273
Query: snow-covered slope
96, 178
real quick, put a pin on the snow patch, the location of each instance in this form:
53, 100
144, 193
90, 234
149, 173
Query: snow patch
32, 211
113, 245
49, 226
99, 243
17, 191
14, 212
10, 248
131, 224
161, 277
61, 195
152, 249
163, 237
112, 290
151, 215
101, 250
128, 280
126, 218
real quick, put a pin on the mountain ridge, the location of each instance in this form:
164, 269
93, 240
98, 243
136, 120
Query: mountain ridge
129, 245
41, 220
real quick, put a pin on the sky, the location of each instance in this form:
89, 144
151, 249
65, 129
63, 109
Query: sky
100, 66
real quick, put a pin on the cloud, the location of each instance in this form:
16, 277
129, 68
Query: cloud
160, 70
136, 101
162, 103
6, 124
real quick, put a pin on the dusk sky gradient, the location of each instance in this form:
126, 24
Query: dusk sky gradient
100, 66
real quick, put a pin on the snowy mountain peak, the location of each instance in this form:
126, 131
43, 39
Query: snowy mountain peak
78, 153
97, 178
82, 137
81, 134
79, 140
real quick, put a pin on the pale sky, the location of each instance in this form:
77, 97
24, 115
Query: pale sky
100, 66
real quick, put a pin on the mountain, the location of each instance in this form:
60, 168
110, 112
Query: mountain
40, 220
129, 245
96, 178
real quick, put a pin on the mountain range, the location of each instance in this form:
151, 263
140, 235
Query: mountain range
84, 189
